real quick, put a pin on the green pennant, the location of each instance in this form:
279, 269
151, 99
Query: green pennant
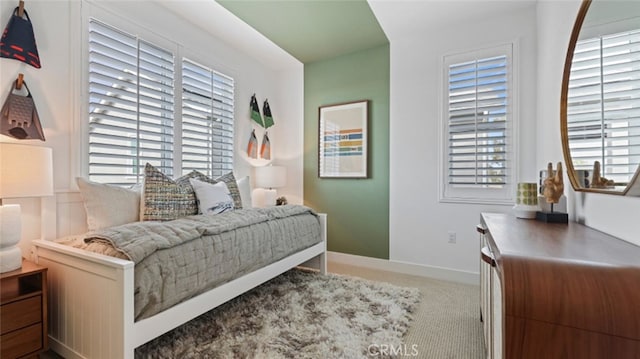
268, 119
255, 111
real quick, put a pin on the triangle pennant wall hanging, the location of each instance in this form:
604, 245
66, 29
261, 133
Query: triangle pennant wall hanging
19, 118
18, 41
265, 148
255, 111
252, 146
268, 118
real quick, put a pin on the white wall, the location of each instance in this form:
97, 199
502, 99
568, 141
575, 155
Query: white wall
418, 221
611, 214
289, 143
51, 87
58, 86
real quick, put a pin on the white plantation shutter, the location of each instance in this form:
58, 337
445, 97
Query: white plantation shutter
130, 106
478, 123
132, 93
603, 107
207, 120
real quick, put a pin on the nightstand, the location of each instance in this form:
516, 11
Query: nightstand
23, 311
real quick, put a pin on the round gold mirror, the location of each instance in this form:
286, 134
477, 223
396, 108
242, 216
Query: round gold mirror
600, 102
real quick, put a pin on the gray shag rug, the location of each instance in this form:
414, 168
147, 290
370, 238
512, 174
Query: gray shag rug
298, 314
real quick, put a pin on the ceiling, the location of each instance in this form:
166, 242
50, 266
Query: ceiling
287, 33
410, 18
312, 30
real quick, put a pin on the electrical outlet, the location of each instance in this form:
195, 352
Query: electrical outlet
452, 237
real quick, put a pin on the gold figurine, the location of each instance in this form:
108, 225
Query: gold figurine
598, 181
553, 185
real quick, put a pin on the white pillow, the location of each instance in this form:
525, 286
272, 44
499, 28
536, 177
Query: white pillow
108, 205
212, 198
244, 186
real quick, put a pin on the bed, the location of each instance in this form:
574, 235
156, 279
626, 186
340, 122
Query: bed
92, 297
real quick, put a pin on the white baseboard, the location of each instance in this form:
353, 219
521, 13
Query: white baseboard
434, 272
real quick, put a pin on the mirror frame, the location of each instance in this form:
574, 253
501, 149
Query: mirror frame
564, 130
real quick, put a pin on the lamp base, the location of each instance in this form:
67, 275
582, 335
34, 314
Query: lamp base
270, 196
10, 234
10, 259
552, 217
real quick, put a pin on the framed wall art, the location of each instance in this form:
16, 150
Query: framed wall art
342, 146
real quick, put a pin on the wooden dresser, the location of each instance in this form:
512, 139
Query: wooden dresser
558, 291
23, 311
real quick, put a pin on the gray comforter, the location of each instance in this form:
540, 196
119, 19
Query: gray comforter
179, 259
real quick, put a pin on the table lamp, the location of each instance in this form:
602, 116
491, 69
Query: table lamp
25, 171
270, 177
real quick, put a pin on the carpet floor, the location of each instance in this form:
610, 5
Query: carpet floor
297, 315
446, 324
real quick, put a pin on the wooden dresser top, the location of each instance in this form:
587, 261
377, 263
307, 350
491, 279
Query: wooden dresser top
569, 276
517, 237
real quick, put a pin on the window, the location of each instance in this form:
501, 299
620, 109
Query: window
478, 122
134, 102
207, 120
603, 117
130, 106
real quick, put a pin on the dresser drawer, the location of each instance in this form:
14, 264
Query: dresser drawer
21, 342
20, 314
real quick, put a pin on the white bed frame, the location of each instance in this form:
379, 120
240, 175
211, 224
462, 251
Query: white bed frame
91, 296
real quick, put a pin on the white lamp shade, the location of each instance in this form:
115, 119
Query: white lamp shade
25, 171
271, 176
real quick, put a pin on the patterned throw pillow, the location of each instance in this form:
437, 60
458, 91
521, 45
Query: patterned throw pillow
212, 198
229, 179
165, 199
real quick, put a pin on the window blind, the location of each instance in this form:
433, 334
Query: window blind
131, 106
477, 122
207, 120
603, 105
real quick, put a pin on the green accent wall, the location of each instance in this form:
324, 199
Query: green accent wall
357, 209
312, 30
